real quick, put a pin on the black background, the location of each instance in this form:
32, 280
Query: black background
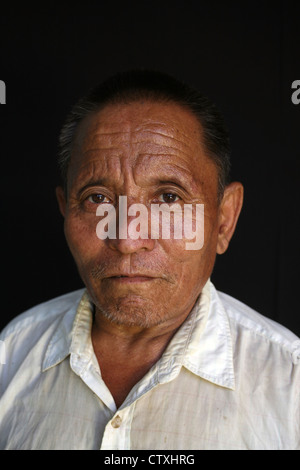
243, 55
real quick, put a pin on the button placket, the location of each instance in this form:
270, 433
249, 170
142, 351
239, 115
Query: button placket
117, 432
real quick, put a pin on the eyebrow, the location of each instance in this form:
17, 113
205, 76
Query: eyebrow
98, 182
177, 175
184, 179
171, 180
155, 180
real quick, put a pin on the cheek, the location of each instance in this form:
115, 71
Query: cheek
191, 260
198, 234
185, 264
80, 233
190, 270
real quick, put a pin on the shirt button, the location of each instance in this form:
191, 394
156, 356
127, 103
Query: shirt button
116, 422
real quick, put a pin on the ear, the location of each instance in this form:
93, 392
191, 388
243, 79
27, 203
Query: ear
61, 199
229, 212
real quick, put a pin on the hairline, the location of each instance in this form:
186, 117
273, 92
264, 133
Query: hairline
127, 99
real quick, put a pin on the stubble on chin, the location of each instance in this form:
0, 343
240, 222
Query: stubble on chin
130, 311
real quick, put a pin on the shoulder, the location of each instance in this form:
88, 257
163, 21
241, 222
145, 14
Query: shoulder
42, 316
244, 319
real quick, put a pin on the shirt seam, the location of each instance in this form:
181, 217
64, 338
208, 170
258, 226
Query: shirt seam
293, 348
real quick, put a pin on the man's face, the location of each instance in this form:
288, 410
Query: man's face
151, 153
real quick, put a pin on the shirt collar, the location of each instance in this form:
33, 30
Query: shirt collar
71, 335
202, 344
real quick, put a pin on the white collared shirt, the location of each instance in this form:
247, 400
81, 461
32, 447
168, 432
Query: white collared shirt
229, 379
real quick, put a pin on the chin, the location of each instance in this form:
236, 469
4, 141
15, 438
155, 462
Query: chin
131, 312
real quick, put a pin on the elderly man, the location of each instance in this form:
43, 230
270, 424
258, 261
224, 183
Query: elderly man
149, 355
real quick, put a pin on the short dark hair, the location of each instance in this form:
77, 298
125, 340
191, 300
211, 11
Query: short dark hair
138, 85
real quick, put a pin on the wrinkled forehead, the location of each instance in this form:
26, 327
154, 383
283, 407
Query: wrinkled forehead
140, 135
155, 122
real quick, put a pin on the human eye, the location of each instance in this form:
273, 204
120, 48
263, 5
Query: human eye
97, 198
91, 198
168, 197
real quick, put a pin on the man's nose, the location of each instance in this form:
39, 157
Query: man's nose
133, 229
130, 246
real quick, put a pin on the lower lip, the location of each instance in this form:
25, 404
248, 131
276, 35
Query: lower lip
131, 280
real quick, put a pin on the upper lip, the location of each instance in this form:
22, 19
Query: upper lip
130, 275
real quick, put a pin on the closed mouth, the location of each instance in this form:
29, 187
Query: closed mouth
131, 278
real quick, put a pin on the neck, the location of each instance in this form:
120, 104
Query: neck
126, 353
134, 336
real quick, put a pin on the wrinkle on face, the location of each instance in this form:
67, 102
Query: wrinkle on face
134, 150
101, 151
